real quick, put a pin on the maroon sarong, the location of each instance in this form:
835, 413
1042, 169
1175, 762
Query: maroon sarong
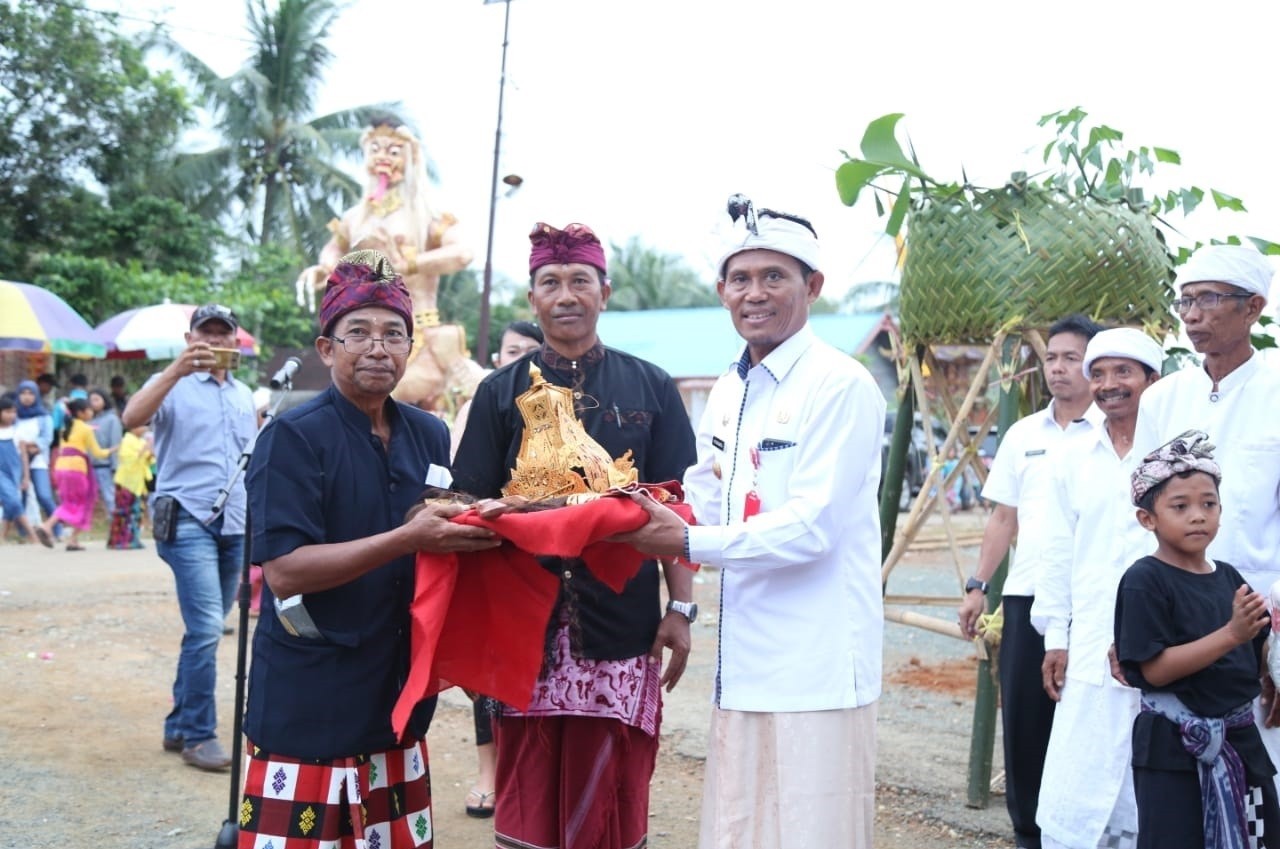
572, 782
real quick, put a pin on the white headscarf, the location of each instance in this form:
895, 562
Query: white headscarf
1238, 265
1124, 342
770, 233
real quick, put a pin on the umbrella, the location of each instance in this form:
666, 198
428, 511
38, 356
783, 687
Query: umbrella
157, 332
36, 320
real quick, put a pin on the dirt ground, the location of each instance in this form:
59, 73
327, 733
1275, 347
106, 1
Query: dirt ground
87, 647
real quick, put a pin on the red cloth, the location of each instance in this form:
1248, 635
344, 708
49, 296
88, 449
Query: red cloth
575, 243
479, 618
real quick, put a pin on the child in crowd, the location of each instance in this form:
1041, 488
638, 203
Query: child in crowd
1190, 634
132, 474
14, 476
73, 476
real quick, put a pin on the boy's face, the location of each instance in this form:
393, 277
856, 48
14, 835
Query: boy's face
9, 416
1186, 513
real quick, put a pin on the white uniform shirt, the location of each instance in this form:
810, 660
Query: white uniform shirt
801, 615
1098, 539
1021, 476
1244, 425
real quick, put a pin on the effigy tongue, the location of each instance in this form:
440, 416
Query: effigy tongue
381, 189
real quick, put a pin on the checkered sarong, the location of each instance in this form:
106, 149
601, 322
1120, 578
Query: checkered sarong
379, 801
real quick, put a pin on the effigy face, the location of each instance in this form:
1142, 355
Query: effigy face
385, 156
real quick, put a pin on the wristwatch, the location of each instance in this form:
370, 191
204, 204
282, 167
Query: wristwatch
975, 584
687, 609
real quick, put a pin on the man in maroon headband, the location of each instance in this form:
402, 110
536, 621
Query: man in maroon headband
574, 764
329, 486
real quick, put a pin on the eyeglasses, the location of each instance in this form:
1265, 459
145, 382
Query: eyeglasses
1205, 300
359, 343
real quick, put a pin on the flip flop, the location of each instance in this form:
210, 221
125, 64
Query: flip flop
46, 539
484, 810
71, 546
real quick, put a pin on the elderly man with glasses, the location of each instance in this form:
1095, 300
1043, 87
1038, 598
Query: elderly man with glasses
1234, 396
329, 487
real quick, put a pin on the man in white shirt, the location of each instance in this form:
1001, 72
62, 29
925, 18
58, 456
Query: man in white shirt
1086, 793
784, 491
1020, 484
1234, 397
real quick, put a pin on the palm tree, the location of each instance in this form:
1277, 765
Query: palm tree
275, 168
644, 278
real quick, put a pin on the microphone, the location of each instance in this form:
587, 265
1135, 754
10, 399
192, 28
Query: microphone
285, 375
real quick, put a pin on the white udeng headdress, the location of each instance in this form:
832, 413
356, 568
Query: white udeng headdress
1234, 264
765, 229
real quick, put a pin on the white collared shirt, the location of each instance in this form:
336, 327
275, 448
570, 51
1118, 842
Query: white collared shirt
1021, 476
1086, 554
1244, 426
801, 613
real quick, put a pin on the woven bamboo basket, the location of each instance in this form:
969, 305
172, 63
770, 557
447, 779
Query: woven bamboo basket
1024, 256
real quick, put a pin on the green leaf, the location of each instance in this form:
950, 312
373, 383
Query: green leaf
1163, 154
1103, 133
1226, 201
1267, 247
1191, 198
1115, 174
880, 145
853, 176
900, 207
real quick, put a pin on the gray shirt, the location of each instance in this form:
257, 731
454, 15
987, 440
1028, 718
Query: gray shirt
109, 432
201, 429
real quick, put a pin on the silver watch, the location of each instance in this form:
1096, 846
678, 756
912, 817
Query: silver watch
687, 609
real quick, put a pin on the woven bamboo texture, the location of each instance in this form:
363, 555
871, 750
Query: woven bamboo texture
1025, 256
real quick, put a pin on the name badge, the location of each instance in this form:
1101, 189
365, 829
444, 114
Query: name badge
1035, 453
717, 443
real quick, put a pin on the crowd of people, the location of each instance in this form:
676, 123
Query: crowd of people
1134, 623
62, 455
1136, 703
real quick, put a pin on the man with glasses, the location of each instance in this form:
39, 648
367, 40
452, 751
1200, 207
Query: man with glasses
330, 484
202, 418
1234, 396
574, 772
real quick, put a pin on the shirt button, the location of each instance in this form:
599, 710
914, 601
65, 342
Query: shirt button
393, 487
567, 574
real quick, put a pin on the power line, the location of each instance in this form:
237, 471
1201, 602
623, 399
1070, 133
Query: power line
153, 22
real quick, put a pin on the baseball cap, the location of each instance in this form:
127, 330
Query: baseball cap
212, 312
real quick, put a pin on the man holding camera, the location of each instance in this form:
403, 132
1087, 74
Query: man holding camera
202, 418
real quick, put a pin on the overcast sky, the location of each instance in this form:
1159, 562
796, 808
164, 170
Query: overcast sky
642, 118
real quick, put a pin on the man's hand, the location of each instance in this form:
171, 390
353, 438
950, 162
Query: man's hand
661, 536
1053, 672
198, 357
1270, 704
430, 530
1113, 660
973, 606
673, 633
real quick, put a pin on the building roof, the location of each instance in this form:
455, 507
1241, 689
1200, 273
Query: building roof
701, 342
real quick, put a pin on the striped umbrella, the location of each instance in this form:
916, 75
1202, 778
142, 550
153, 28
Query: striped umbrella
36, 320
157, 332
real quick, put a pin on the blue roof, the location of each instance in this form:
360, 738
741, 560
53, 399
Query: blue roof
701, 342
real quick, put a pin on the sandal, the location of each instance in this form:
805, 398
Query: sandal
71, 546
46, 539
484, 810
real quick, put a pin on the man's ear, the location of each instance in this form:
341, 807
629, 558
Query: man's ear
814, 284
324, 347
720, 292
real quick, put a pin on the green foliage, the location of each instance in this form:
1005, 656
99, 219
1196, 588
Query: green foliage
262, 295
99, 288
645, 279
274, 173
458, 299
82, 120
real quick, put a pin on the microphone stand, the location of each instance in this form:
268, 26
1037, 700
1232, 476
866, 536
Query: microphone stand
229, 834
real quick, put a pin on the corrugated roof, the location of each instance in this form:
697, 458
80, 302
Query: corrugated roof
701, 342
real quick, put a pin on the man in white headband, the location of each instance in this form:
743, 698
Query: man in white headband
1086, 793
784, 491
1234, 397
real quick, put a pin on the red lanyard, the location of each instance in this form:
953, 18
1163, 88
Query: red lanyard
751, 506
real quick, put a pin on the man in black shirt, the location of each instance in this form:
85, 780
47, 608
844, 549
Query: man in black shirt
574, 771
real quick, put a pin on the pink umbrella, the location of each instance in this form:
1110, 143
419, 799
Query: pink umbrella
157, 332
